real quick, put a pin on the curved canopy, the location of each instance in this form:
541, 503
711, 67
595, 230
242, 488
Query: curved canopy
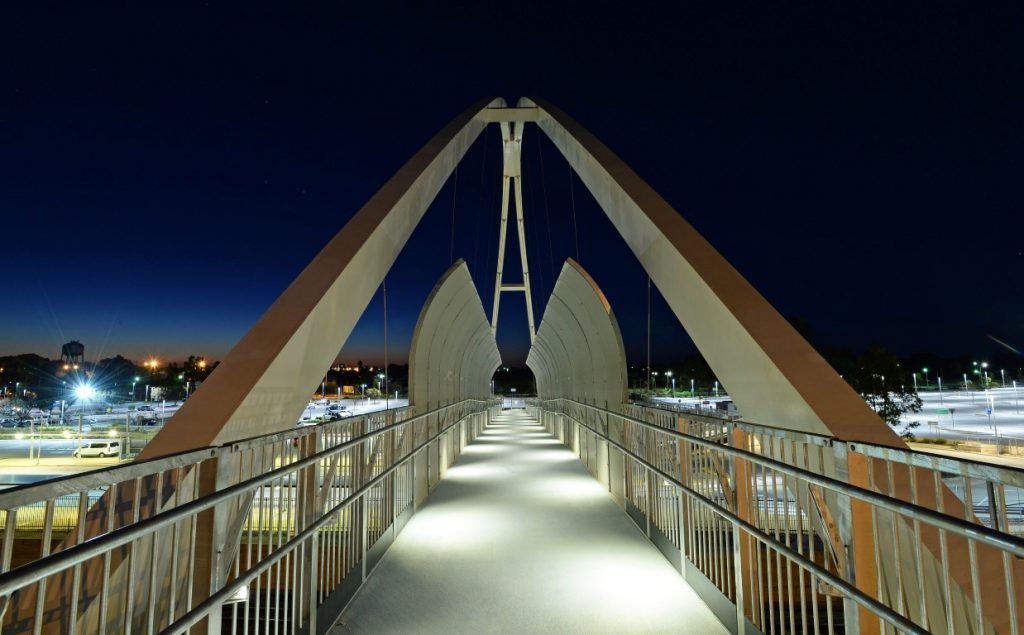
578, 352
453, 353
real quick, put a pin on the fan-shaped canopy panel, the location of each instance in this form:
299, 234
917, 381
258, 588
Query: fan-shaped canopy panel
453, 354
578, 352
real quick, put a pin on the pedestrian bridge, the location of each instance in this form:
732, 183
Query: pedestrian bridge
573, 511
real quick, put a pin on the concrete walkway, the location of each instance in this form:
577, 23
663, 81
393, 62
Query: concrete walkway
520, 538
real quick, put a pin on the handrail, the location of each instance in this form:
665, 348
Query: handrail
980, 469
34, 571
959, 526
202, 609
868, 602
20, 495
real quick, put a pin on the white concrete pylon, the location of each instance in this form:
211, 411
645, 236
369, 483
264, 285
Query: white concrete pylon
512, 145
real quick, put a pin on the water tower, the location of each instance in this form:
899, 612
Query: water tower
72, 354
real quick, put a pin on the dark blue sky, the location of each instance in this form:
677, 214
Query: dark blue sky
164, 174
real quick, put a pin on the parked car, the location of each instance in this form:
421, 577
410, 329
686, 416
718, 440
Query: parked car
145, 408
8, 423
98, 448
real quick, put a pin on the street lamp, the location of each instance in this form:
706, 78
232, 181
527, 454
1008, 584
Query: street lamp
133, 387
654, 380
925, 371
965, 388
693, 392
915, 381
1002, 378
940, 390
716, 388
668, 374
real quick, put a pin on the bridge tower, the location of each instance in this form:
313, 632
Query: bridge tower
512, 145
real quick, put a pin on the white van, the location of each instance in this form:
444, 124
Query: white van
98, 448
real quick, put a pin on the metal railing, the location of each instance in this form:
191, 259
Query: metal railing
272, 534
786, 532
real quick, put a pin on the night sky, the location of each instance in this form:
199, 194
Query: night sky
164, 174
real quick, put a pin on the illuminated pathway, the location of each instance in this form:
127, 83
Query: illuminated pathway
519, 537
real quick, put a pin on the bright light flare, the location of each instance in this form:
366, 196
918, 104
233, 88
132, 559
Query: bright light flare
85, 392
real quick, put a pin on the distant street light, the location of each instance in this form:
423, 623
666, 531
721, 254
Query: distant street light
133, 388
693, 391
85, 392
915, 381
965, 388
940, 390
1002, 378
925, 371
716, 388
668, 373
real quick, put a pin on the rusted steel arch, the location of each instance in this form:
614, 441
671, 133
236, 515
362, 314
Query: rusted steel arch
453, 353
773, 374
578, 351
265, 381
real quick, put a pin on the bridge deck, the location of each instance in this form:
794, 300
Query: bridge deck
519, 537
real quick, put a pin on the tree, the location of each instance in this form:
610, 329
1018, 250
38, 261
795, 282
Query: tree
880, 380
373, 393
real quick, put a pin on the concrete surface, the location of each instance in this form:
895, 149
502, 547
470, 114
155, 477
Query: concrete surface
519, 538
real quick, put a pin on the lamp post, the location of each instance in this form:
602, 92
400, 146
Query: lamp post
654, 381
925, 371
965, 387
940, 390
668, 374
716, 388
1016, 403
1002, 378
133, 387
693, 392
915, 381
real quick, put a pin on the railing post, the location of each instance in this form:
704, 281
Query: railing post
363, 536
856, 527
743, 545
739, 577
